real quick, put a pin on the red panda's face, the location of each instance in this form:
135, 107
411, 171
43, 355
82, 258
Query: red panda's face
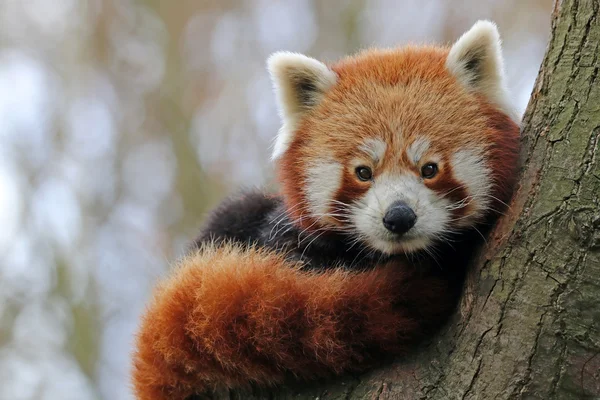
394, 147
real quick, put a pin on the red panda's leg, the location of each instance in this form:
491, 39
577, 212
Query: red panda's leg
230, 316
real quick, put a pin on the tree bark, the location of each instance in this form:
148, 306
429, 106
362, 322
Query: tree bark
529, 321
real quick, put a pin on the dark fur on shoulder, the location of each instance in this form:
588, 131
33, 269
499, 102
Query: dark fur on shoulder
240, 218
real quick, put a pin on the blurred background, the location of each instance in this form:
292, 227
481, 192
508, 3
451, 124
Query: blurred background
122, 122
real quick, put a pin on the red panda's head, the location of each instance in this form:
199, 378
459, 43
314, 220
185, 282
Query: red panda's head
397, 147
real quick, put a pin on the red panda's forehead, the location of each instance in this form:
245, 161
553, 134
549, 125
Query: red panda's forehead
396, 97
392, 67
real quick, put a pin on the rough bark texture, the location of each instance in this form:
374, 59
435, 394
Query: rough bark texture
529, 322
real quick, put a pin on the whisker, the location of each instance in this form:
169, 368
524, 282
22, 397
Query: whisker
311, 242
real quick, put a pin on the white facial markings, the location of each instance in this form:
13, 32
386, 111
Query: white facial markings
471, 170
375, 149
323, 181
432, 217
435, 211
417, 149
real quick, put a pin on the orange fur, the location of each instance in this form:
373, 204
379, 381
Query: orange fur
229, 316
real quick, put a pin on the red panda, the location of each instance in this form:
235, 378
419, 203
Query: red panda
388, 160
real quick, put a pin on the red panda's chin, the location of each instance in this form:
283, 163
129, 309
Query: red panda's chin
401, 245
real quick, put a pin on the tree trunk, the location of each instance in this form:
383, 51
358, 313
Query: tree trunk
529, 322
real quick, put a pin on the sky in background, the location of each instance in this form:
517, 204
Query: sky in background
122, 122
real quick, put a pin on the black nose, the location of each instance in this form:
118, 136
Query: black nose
399, 218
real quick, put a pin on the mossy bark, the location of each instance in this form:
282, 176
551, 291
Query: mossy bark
529, 322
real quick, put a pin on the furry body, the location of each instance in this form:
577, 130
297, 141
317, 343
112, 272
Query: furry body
273, 309
388, 161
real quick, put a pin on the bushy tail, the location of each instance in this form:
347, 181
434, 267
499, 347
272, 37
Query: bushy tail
230, 316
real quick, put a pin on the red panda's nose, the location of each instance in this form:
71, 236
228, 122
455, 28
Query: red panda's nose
399, 218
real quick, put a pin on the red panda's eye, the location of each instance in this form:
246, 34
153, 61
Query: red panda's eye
429, 170
364, 173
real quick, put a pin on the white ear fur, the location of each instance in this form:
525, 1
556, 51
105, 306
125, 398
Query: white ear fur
476, 61
299, 82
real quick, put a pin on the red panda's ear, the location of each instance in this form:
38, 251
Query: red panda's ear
476, 61
299, 83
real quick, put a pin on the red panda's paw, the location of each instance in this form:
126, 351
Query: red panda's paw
228, 317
